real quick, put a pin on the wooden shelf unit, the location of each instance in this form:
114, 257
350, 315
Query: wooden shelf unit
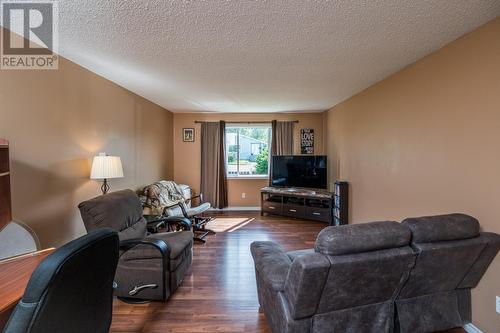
341, 203
307, 204
5, 205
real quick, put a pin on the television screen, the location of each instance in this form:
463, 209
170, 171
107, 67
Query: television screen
299, 171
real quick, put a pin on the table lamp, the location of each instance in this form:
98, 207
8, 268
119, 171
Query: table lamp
106, 167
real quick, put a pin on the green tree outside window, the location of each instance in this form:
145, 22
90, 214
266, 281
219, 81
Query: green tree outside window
262, 161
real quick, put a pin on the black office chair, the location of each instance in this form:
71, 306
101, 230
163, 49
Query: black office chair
72, 289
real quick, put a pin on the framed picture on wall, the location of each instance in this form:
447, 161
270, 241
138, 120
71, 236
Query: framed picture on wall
188, 134
307, 141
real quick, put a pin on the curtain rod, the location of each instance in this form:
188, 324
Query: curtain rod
241, 122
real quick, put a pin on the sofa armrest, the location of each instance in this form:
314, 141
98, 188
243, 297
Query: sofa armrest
271, 263
298, 253
178, 204
159, 244
164, 250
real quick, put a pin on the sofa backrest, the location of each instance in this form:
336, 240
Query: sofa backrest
447, 248
480, 266
120, 211
353, 265
363, 237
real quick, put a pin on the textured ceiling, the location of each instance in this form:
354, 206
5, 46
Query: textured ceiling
258, 56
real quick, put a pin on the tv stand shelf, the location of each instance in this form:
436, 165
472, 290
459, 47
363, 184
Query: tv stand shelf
311, 204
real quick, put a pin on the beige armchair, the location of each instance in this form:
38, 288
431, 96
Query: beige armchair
172, 200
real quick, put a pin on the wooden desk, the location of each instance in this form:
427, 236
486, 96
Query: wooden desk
14, 276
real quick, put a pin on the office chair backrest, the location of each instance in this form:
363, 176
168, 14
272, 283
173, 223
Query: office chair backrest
120, 211
72, 289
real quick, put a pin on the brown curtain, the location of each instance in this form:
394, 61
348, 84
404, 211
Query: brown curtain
281, 140
213, 163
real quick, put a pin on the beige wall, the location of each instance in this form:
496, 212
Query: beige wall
427, 141
56, 121
187, 154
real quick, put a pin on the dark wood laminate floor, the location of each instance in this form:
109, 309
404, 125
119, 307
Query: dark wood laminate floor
219, 294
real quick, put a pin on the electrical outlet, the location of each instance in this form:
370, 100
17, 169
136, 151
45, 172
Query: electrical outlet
498, 304
243, 195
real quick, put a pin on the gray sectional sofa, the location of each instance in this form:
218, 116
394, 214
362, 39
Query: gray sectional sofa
413, 276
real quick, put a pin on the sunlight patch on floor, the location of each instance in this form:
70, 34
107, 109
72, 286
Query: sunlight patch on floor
228, 224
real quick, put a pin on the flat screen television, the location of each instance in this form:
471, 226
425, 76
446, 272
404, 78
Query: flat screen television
299, 171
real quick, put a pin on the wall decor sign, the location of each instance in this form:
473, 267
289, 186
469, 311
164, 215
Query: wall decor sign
188, 134
307, 141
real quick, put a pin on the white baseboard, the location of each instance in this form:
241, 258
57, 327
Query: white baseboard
236, 209
470, 328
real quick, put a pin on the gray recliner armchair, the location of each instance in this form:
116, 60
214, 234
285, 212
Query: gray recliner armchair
347, 283
452, 257
151, 266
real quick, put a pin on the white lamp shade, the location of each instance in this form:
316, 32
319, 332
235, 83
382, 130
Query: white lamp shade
106, 167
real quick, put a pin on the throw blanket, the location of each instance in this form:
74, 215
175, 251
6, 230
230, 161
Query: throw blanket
159, 195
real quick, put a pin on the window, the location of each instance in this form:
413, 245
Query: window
247, 150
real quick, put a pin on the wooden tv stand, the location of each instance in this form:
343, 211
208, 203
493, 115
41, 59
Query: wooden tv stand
295, 202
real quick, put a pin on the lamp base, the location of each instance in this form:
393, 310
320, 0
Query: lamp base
105, 186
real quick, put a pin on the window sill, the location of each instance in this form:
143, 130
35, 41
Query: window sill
247, 177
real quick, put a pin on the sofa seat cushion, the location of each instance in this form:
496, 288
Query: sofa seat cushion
180, 244
437, 228
363, 237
